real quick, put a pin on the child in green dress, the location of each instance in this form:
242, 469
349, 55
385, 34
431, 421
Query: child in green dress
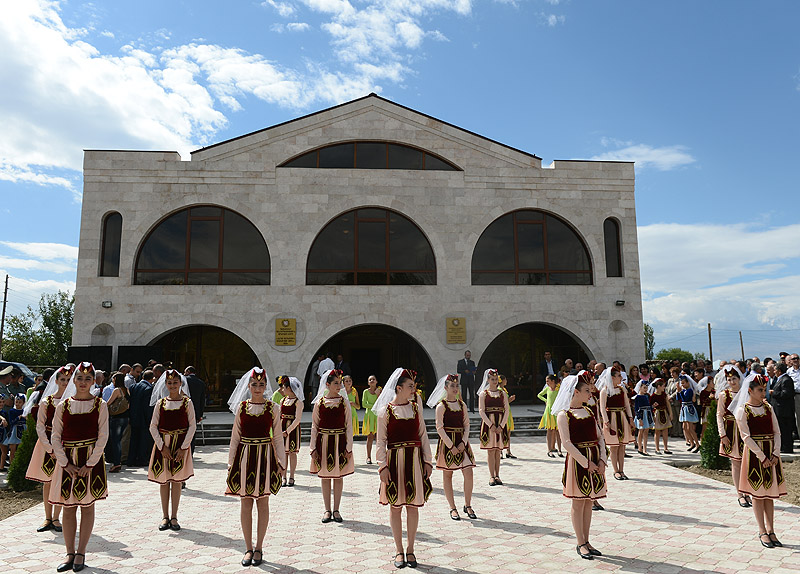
548, 395
370, 426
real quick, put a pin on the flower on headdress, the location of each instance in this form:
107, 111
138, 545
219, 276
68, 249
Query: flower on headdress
408, 374
451, 378
258, 374
86, 367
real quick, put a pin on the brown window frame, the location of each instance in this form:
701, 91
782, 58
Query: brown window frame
618, 237
424, 152
104, 239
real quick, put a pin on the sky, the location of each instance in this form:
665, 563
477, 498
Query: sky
703, 96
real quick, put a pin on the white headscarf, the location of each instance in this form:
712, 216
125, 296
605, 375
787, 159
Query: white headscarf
323, 386
485, 383
297, 388
160, 390
36, 398
724, 384
741, 397
389, 393
651, 389
71, 389
439, 392
242, 390
605, 381
565, 393
639, 386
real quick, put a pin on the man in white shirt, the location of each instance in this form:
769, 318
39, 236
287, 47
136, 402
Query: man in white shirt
794, 371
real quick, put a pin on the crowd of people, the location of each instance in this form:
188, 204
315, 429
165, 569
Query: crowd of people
591, 414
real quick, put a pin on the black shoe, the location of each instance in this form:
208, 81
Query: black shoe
337, 517
173, 525
48, 525
509, 455
582, 555
454, 516
597, 506
81, 566
258, 561
593, 551
768, 543
469, 512
57, 527
742, 502
327, 517
628, 455
399, 563
165, 522
248, 560
64, 566
412, 563
667, 451
774, 540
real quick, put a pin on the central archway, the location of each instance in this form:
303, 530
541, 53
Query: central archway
375, 349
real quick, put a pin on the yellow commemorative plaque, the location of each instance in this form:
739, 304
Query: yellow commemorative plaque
285, 332
456, 330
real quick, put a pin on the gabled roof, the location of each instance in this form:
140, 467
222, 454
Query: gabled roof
376, 96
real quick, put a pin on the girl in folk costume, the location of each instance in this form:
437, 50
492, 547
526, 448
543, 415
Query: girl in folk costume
291, 414
584, 469
594, 398
43, 460
510, 424
706, 394
615, 410
662, 414
761, 473
688, 417
16, 425
80, 433
257, 456
352, 396
548, 420
494, 410
172, 428
453, 451
331, 441
730, 441
368, 398
404, 459
643, 412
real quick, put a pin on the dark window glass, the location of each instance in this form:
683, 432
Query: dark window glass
612, 244
333, 248
306, 160
337, 156
165, 248
163, 258
371, 155
495, 248
242, 245
565, 249
434, 163
204, 245
403, 157
111, 243
332, 258
528, 246
530, 242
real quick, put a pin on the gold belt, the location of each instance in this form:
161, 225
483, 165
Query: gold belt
404, 444
80, 443
615, 409
762, 436
331, 431
173, 432
586, 444
453, 429
257, 440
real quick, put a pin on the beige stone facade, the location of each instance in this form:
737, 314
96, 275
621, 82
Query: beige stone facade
290, 205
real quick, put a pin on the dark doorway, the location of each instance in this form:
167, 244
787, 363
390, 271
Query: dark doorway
378, 350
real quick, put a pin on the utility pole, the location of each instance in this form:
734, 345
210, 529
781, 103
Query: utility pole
3, 316
710, 348
741, 343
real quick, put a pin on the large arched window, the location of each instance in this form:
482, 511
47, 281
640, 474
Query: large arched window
203, 245
530, 247
110, 244
370, 155
371, 246
613, 248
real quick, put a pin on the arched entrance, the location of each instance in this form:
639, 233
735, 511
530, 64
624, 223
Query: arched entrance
219, 356
378, 350
518, 352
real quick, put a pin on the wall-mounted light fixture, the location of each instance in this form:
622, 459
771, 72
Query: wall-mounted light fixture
620, 303
106, 304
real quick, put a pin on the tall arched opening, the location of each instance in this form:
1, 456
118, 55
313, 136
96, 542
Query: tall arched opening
374, 349
518, 353
220, 357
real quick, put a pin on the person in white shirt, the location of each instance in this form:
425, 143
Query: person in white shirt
794, 371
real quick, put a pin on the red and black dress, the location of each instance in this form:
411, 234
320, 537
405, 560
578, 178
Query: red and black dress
583, 441
727, 427
617, 413
452, 426
403, 447
173, 424
661, 413
762, 440
291, 412
494, 410
43, 460
705, 398
332, 438
256, 453
80, 433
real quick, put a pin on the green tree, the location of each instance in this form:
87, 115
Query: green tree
709, 446
675, 353
700, 355
19, 466
649, 342
41, 336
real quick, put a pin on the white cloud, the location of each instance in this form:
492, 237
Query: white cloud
553, 20
46, 251
297, 26
662, 158
35, 265
27, 292
33, 174
285, 9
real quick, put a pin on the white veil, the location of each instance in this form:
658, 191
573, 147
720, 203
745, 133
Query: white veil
724, 384
439, 392
71, 389
605, 381
564, 396
51, 389
485, 383
242, 390
323, 386
160, 388
741, 397
388, 394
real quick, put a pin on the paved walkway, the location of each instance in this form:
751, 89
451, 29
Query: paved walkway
664, 520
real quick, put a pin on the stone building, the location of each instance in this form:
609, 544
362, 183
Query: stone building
368, 230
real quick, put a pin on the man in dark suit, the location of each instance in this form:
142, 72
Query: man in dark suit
140, 414
548, 366
342, 365
782, 399
197, 392
467, 369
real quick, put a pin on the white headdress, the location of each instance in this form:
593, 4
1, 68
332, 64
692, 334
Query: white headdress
242, 390
485, 383
160, 390
51, 389
605, 381
389, 393
724, 384
652, 387
84, 367
741, 397
639, 386
439, 392
323, 386
297, 388
564, 396
692, 382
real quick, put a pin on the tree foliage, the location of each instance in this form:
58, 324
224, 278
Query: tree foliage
649, 342
709, 446
19, 466
675, 353
41, 336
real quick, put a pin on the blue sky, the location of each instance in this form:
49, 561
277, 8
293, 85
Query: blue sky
703, 96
